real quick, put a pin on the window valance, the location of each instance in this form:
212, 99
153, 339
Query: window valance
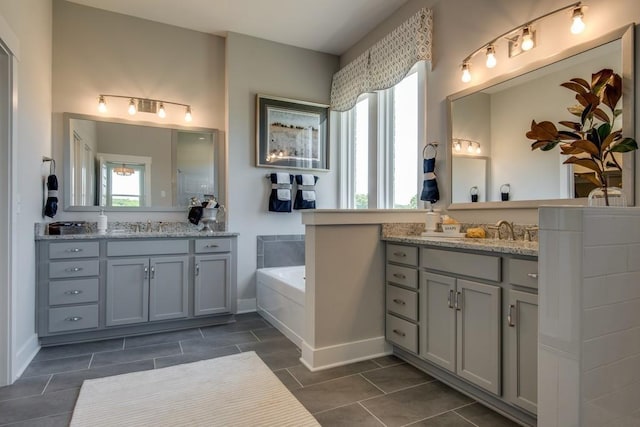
386, 63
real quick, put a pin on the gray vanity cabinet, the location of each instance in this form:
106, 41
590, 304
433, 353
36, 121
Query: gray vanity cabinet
147, 289
211, 290
462, 328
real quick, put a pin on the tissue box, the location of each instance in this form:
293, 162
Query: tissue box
450, 228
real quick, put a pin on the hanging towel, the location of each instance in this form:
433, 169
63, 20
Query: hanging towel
51, 206
195, 214
430, 191
306, 192
280, 198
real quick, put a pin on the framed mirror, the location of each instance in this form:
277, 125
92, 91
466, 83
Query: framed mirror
120, 165
490, 121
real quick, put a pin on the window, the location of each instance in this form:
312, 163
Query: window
380, 147
125, 186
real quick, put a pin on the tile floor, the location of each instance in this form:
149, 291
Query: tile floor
380, 392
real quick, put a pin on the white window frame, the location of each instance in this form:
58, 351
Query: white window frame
381, 128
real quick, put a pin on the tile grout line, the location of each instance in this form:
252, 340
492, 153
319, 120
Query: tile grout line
255, 336
371, 382
372, 414
181, 350
201, 334
293, 376
467, 420
442, 413
124, 341
90, 361
47, 384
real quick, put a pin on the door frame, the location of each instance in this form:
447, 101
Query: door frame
8, 212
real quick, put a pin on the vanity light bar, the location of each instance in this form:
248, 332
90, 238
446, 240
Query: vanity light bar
145, 105
472, 147
524, 33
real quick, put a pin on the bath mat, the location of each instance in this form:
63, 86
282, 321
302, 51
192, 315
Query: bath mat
236, 390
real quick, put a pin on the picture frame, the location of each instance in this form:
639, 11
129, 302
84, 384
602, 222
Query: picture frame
291, 134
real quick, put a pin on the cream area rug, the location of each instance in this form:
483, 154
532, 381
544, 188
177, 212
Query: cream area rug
236, 390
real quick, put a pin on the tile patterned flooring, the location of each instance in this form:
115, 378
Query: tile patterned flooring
379, 392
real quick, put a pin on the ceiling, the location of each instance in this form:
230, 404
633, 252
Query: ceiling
330, 26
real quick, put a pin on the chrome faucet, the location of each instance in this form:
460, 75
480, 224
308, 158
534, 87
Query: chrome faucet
149, 229
499, 224
527, 233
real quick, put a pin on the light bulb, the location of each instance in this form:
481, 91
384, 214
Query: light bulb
578, 24
478, 150
102, 105
161, 113
132, 107
466, 74
470, 147
457, 146
187, 115
491, 56
527, 39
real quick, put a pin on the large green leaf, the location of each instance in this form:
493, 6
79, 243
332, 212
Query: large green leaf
603, 131
624, 146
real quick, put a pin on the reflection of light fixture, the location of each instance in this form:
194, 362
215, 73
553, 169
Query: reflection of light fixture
123, 171
578, 24
145, 105
457, 146
491, 56
521, 38
472, 147
466, 74
527, 39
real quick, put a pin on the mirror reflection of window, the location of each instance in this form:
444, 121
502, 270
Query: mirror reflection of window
125, 186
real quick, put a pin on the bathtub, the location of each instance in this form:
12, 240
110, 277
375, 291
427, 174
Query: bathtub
280, 299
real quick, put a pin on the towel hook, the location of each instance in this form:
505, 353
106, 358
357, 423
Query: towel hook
432, 145
52, 164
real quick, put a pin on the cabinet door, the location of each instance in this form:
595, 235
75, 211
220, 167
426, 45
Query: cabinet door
212, 284
438, 319
168, 288
522, 350
127, 291
478, 334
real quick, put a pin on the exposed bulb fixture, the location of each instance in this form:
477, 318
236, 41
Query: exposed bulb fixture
527, 39
470, 147
457, 146
578, 24
478, 149
144, 105
161, 112
491, 56
123, 171
132, 107
466, 73
102, 105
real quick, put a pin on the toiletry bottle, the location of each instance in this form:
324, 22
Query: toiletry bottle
432, 219
102, 222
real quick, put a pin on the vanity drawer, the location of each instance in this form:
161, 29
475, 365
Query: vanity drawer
402, 254
147, 247
403, 302
73, 291
72, 318
523, 272
472, 265
73, 250
402, 276
213, 245
79, 268
402, 333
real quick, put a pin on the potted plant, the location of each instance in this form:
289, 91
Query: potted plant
592, 141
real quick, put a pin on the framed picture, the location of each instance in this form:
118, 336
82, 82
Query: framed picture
291, 134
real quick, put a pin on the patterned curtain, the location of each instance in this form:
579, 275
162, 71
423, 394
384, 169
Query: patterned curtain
386, 63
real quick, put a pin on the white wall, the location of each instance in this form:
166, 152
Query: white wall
95, 51
256, 66
462, 26
30, 20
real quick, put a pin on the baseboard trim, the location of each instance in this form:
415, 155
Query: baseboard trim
317, 359
248, 305
24, 356
286, 331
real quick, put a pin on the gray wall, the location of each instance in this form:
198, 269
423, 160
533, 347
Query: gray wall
462, 26
95, 51
258, 66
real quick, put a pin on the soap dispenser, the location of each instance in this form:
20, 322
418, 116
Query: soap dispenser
432, 219
102, 222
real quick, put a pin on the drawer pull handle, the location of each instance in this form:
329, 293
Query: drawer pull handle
399, 301
211, 246
74, 250
73, 269
458, 302
399, 276
153, 272
397, 332
510, 316
73, 292
400, 254
146, 272
450, 299
73, 319
197, 269
532, 275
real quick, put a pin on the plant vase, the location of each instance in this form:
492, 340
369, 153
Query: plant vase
607, 196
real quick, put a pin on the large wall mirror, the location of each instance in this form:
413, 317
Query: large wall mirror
488, 123
120, 165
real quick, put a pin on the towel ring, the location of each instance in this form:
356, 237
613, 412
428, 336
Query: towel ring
433, 146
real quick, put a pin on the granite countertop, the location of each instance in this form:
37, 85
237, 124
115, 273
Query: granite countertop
126, 230
515, 247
